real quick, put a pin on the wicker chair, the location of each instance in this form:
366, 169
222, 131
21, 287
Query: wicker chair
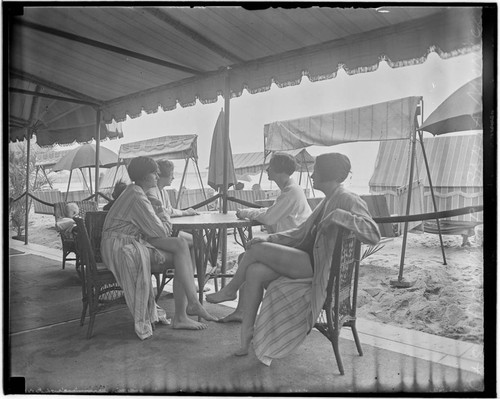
339, 309
68, 242
99, 287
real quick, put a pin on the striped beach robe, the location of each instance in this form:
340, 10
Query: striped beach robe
291, 306
125, 251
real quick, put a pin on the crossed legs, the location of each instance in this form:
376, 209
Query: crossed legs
185, 297
261, 264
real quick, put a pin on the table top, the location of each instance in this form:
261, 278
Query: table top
211, 220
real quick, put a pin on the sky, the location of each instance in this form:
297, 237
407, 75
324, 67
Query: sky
434, 80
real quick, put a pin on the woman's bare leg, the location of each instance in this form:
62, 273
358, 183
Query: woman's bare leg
258, 276
286, 261
184, 289
237, 314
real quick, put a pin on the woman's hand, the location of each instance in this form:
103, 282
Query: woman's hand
256, 240
238, 214
190, 212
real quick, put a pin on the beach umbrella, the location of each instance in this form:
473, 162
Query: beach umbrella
461, 111
216, 163
84, 156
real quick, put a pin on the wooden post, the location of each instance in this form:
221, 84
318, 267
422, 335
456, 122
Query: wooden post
27, 188
97, 149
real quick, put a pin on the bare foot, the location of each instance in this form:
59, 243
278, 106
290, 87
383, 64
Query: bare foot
220, 296
241, 352
188, 324
235, 317
196, 309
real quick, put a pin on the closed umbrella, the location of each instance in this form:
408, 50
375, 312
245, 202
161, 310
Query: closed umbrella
461, 111
216, 163
85, 157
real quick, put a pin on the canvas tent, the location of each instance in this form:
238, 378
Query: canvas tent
159, 148
391, 120
455, 163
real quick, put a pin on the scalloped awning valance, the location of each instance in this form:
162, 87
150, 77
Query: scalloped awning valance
126, 60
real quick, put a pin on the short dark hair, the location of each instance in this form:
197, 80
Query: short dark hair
283, 163
165, 167
141, 166
120, 186
333, 166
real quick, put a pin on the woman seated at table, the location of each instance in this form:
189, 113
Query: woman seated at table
289, 210
163, 208
300, 257
132, 236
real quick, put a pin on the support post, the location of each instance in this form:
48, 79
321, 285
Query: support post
227, 101
69, 182
27, 188
182, 182
400, 283
421, 136
97, 155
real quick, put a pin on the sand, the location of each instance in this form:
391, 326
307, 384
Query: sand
445, 300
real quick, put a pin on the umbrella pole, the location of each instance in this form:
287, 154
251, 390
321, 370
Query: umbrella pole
400, 283
69, 182
432, 194
97, 150
90, 181
227, 101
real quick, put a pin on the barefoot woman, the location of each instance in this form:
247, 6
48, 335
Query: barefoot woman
298, 253
132, 237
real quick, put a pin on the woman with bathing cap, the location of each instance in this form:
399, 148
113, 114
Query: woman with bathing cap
295, 253
132, 236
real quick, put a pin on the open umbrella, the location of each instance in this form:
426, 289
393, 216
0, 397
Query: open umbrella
216, 163
85, 157
461, 111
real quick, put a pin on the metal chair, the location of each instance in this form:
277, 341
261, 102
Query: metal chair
339, 309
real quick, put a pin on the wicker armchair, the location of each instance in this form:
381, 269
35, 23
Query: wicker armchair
99, 286
339, 309
68, 242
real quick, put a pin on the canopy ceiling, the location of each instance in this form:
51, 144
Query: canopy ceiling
125, 60
390, 120
165, 147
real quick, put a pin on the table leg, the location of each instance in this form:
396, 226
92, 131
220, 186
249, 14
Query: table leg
223, 257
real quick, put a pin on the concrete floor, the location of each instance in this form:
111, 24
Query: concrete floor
47, 347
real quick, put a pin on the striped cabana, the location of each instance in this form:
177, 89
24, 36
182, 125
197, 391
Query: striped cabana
455, 164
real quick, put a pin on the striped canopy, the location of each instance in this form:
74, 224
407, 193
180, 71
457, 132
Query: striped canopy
454, 161
164, 147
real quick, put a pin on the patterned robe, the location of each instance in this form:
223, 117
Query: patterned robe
291, 306
125, 251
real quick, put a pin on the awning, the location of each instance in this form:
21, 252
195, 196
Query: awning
165, 147
125, 60
391, 120
454, 161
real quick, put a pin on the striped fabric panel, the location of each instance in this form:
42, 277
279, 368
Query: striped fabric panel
280, 326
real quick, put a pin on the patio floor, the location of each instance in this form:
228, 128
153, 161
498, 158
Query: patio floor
47, 346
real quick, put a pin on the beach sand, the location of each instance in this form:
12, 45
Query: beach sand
445, 300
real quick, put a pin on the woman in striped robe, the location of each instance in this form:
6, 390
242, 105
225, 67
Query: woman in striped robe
292, 266
132, 236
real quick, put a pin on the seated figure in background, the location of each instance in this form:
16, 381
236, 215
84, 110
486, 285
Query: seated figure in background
132, 236
118, 189
301, 257
289, 210
65, 224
